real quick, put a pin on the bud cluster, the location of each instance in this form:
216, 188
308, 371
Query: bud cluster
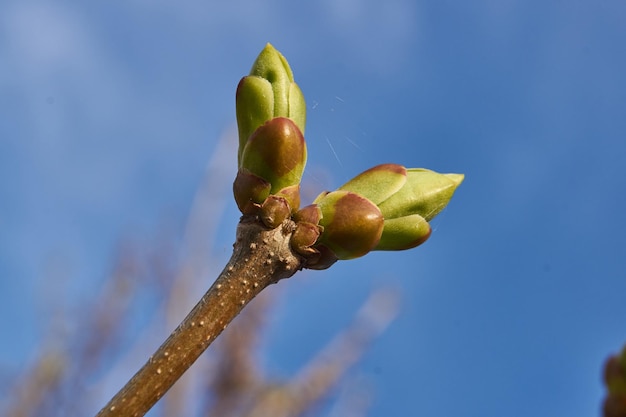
387, 207
271, 114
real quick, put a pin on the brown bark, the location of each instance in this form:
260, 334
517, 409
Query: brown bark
260, 257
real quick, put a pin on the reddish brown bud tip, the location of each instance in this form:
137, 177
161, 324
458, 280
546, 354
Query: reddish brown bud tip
250, 191
325, 259
274, 211
352, 224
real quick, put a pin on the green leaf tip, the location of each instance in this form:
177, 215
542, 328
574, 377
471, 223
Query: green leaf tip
425, 193
272, 65
457, 178
377, 183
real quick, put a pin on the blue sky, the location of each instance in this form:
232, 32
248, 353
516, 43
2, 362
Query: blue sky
111, 112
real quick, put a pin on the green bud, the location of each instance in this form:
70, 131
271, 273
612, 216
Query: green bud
269, 91
352, 224
276, 152
407, 199
425, 193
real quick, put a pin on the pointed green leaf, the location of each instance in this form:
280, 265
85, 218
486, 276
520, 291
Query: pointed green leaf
404, 233
255, 106
297, 106
378, 183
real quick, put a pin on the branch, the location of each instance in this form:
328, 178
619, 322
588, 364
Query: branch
260, 257
384, 208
